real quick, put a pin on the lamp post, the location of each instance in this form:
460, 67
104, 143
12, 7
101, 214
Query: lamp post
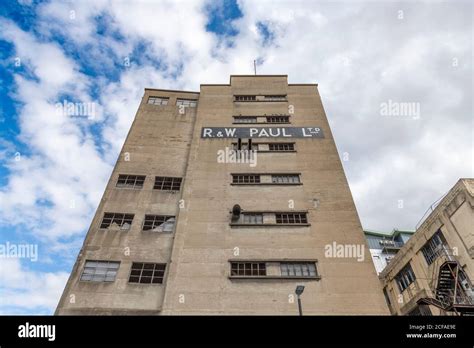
298, 291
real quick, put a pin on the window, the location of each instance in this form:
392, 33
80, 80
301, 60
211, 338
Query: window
251, 269
281, 147
245, 98
245, 119
405, 277
159, 223
433, 247
187, 103
245, 146
120, 220
165, 183
291, 218
158, 100
100, 271
298, 269
286, 179
387, 298
147, 273
275, 98
278, 119
245, 179
252, 218
130, 181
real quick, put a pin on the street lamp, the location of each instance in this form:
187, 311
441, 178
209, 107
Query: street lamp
298, 291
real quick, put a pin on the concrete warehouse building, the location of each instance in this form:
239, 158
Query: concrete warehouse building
432, 273
222, 202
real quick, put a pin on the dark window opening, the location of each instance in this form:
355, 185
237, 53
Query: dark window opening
278, 119
245, 179
130, 181
147, 273
291, 218
159, 223
281, 147
250, 269
167, 183
118, 220
405, 277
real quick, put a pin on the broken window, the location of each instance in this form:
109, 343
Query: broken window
245, 179
278, 119
405, 277
281, 147
117, 221
158, 100
130, 181
159, 223
248, 269
165, 183
188, 103
286, 179
147, 273
291, 218
298, 269
245, 119
100, 271
434, 247
245, 98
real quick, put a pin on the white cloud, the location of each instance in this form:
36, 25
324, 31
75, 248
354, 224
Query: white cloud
27, 291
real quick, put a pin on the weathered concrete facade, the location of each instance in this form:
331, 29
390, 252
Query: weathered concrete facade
207, 242
443, 246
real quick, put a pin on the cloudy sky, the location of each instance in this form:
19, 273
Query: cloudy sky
365, 55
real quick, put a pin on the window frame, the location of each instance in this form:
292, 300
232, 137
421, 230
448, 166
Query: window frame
245, 98
286, 218
291, 266
94, 274
291, 147
137, 178
186, 102
277, 119
126, 218
169, 181
405, 277
156, 219
242, 222
142, 270
238, 119
243, 179
162, 100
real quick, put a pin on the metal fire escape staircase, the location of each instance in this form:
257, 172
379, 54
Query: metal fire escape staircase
450, 286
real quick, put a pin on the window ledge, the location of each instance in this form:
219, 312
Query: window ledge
275, 151
277, 277
111, 230
266, 183
261, 101
249, 123
268, 225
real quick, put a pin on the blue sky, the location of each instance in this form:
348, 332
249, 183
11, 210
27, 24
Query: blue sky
53, 168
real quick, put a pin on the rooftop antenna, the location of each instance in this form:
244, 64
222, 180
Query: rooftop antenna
255, 66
